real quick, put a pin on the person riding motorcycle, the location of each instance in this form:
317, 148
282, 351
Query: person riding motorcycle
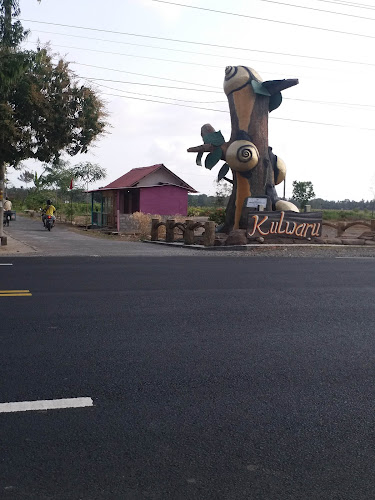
49, 209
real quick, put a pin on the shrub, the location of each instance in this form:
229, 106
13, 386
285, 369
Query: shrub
217, 215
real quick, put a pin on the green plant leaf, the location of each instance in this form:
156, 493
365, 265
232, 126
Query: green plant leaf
275, 101
259, 89
198, 161
215, 138
223, 172
213, 158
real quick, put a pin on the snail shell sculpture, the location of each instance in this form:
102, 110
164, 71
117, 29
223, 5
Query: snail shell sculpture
242, 156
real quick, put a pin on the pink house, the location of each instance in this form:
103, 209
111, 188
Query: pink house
153, 190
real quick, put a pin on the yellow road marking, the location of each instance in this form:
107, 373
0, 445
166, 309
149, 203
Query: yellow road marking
15, 293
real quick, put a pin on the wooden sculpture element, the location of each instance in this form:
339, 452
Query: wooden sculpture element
256, 169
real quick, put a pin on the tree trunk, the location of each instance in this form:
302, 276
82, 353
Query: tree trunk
255, 118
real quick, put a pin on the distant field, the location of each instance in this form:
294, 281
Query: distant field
347, 214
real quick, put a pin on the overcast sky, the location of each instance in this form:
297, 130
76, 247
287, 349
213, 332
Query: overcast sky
136, 52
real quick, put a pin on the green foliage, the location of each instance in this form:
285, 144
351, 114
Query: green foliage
35, 200
337, 215
213, 158
217, 215
213, 213
26, 176
57, 175
202, 200
11, 34
223, 172
303, 192
70, 210
216, 139
43, 108
47, 112
88, 172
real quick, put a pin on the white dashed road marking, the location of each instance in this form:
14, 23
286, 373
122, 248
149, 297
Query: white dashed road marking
46, 404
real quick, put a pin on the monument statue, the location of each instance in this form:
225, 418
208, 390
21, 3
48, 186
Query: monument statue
256, 169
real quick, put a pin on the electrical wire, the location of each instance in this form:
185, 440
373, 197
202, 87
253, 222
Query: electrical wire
160, 97
142, 74
148, 84
306, 26
311, 101
137, 56
318, 10
348, 4
221, 111
192, 52
184, 62
197, 43
303, 56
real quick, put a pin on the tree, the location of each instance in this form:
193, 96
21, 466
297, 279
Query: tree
46, 111
303, 192
223, 192
88, 172
57, 175
26, 176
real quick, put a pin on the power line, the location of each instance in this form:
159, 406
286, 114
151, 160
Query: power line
148, 84
142, 74
192, 63
138, 56
195, 53
321, 123
333, 103
221, 111
265, 19
179, 62
303, 56
312, 101
169, 103
161, 97
177, 50
348, 4
318, 10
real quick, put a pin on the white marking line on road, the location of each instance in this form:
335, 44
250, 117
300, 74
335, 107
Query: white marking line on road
6, 264
46, 404
355, 258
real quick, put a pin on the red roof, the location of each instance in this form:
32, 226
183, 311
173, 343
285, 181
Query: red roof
132, 177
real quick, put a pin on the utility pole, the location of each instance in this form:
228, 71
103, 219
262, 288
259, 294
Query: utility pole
6, 44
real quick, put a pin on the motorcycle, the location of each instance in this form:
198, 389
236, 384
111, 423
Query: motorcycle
49, 222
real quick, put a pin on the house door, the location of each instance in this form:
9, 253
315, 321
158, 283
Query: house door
131, 201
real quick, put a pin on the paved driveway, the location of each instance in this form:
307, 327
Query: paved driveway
64, 241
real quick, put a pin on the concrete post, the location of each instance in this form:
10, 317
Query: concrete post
155, 229
189, 233
209, 234
169, 233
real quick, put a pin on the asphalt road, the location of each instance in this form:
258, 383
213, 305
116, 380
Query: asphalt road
211, 378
